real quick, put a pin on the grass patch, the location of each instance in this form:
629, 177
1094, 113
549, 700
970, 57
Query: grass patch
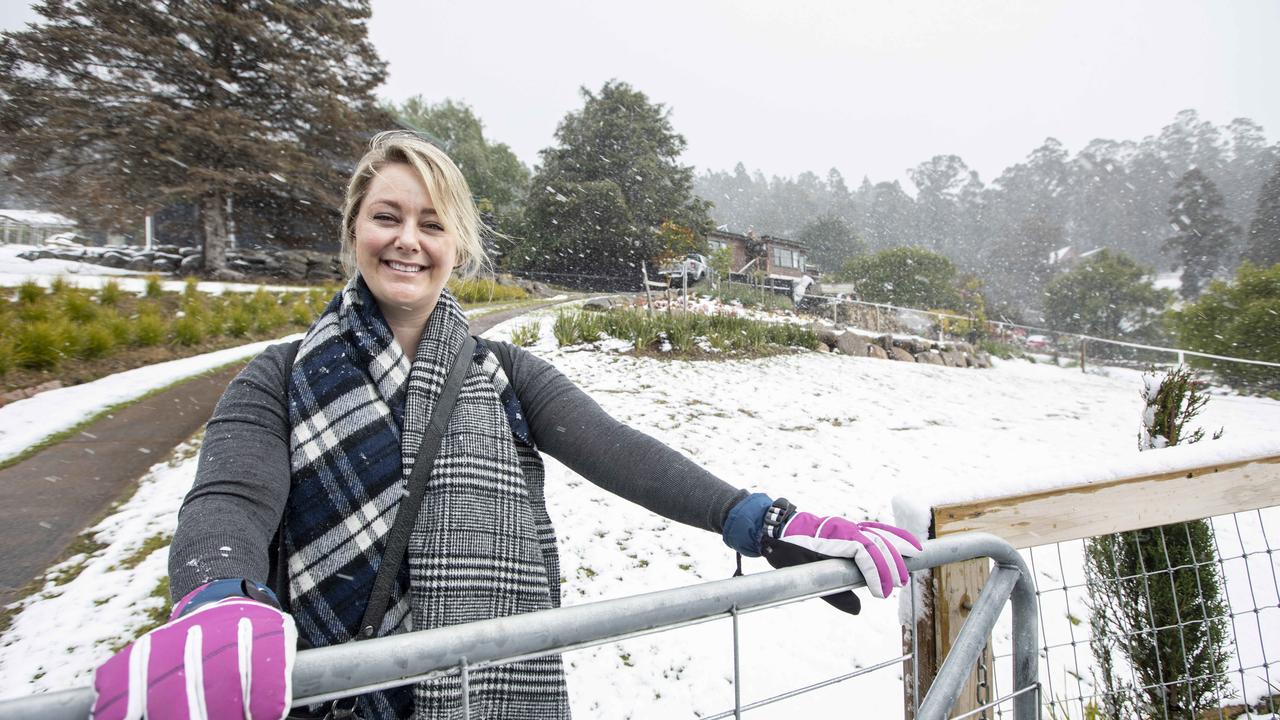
148, 546
527, 334
484, 290
110, 294
688, 335
1002, 350
749, 296
85, 546
155, 617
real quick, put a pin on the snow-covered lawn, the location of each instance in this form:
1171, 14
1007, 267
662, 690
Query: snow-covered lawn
834, 434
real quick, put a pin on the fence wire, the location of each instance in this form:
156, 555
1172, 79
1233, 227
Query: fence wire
1174, 622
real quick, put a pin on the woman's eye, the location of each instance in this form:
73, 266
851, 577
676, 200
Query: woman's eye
385, 217
434, 227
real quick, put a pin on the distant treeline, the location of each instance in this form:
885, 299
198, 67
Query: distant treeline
1111, 194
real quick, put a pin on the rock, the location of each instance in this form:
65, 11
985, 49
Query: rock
930, 357
226, 274
897, 353
189, 251
876, 351
191, 264
598, 304
164, 265
983, 359
139, 263
823, 347
168, 249
964, 347
293, 265
825, 333
851, 343
24, 393
951, 358
114, 260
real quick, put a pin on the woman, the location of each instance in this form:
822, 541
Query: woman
321, 446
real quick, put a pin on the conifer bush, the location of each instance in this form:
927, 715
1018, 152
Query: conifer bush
110, 294
77, 307
94, 340
148, 330
30, 292
40, 345
1156, 594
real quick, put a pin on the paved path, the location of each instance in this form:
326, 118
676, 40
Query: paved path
49, 498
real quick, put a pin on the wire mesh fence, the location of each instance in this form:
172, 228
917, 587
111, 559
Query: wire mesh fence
1174, 622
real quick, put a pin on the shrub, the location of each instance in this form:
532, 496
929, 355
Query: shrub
480, 290
58, 285
268, 318
191, 288
30, 292
1237, 319
188, 330
302, 313
77, 307
565, 328
148, 330
110, 293
94, 340
238, 319
40, 345
7, 355
153, 288
526, 334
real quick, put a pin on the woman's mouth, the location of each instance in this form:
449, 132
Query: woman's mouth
403, 267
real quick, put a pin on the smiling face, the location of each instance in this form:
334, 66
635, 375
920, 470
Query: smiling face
403, 251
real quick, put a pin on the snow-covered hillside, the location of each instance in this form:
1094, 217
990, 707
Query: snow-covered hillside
835, 434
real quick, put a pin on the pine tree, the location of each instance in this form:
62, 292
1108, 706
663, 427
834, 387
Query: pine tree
116, 110
1264, 232
605, 189
497, 177
1156, 597
1202, 230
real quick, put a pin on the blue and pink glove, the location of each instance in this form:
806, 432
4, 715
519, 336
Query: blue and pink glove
223, 654
786, 537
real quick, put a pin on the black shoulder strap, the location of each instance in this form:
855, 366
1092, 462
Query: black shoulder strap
407, 512
278, 563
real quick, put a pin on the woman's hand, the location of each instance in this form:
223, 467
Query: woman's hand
230, 657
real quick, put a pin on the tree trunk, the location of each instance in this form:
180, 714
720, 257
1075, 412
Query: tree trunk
213, 213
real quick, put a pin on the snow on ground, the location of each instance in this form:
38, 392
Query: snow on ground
835, 434
26, 422
14, 271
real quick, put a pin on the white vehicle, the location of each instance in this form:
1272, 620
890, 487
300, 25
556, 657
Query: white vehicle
693, 266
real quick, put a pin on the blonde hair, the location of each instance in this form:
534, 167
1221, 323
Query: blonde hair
444, 181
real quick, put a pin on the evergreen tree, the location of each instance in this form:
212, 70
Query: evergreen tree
1237, 319
1264, 232
905, 276
1202, 231
497, 178
831, 241
604, 190
1155, 596
116, 110
1107, 295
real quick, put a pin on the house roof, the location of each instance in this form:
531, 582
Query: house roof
1059, 255
37, 218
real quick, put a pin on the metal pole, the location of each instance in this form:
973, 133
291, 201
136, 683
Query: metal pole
648, 293
336, 671
737, 669
684, 287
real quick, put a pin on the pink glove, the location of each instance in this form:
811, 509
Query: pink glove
227, 658
792, 538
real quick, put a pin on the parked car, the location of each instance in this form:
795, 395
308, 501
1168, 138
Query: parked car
694, 266
1037, 342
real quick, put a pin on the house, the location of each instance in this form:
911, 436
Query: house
782, 261
32, 227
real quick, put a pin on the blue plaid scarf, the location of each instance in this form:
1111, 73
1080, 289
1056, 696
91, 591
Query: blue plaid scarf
482, 546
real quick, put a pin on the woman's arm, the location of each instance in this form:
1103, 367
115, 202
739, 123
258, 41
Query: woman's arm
242, 481
572, 428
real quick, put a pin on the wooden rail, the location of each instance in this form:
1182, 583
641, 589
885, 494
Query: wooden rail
1070, 513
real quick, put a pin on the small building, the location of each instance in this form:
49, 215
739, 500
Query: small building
783, 261
32, 227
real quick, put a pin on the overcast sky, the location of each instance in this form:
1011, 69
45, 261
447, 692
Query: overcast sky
870, 88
